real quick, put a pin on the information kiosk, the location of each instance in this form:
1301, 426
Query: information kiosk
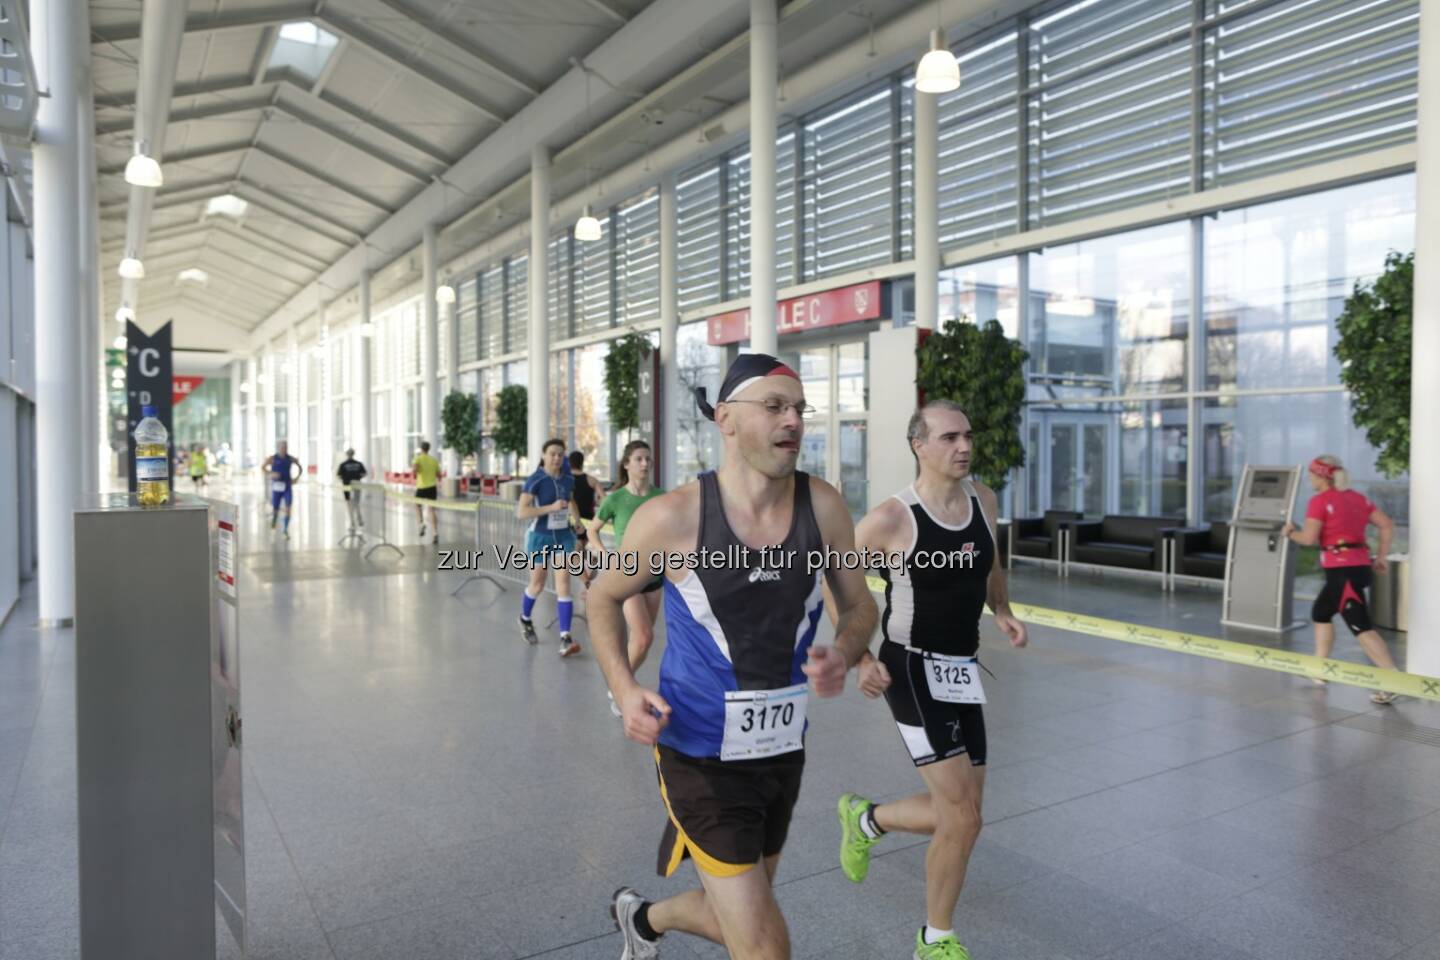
1260, 562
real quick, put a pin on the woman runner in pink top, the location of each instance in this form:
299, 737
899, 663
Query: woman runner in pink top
1335, 520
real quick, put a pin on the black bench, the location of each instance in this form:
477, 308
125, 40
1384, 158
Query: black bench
1200, 551
1135, 543
1040, 536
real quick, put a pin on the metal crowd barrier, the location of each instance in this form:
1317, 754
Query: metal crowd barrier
376, 514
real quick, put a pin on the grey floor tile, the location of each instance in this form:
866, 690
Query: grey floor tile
1229, 851
1177, 943
452, 932
62, 944
1302, 830
1158, 882
1359, 899
550, 914
1105, 766
1056, 837
1277, 932
1077, 920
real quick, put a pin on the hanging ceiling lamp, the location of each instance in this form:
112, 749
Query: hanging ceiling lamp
132, 269
587, 228
143, 170
939, 71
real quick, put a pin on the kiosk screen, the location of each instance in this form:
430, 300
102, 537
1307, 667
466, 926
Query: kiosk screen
1268, 485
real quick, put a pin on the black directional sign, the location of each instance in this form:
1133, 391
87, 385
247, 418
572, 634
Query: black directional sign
149, 380
647, 407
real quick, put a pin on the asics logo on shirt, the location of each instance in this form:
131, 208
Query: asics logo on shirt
766, 576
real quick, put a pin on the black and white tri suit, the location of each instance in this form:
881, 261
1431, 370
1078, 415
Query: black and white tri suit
933, 604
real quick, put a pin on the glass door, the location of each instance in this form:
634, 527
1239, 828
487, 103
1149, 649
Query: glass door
1077, 451
835, 443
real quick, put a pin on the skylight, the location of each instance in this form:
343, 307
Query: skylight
226, 205
303, 47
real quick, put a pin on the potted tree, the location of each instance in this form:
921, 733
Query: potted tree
511, 423
979, 368
1373, 347
622, 392
460, 420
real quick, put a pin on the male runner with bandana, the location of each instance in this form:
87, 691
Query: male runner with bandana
728, 719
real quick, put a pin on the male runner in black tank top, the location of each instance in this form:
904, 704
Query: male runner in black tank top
944, 528
738, 649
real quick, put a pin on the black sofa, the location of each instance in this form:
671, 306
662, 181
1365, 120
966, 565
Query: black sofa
1136, 543
1200, 551
1040, 536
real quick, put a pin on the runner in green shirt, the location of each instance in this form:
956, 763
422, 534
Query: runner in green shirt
617, 508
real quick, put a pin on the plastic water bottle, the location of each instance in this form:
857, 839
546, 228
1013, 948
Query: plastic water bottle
152, 460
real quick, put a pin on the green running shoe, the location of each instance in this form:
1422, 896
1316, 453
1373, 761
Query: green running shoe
946, 948
854, 845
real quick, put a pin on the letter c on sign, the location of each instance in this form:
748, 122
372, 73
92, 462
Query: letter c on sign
149, 359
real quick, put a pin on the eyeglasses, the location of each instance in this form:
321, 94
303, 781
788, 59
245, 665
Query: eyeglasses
777, 407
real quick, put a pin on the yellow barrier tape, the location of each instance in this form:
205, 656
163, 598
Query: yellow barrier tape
1230, 651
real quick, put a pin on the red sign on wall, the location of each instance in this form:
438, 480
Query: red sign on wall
183, 386
827, 309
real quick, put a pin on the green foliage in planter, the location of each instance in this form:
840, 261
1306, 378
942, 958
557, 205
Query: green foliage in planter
1374, 353
512, 412
460, 417
978, 368
622, 387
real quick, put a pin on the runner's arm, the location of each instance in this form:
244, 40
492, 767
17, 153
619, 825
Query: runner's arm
997, 590
526, 509
650, 533
1387, 530
296, 464
1307, 537
855, 607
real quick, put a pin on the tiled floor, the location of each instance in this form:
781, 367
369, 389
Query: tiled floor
422, 785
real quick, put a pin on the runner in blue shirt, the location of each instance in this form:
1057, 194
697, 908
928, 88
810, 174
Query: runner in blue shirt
548, 502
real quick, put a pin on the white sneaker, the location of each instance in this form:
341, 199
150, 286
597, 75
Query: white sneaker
623, 907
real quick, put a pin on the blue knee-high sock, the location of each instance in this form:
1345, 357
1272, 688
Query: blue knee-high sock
287, 523
527, 604
566, 609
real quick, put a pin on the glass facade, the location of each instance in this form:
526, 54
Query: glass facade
1162, 357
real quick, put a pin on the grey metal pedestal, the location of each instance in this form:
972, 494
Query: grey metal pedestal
158, 728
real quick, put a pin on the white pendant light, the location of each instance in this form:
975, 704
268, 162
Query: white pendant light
119, 343
132, 269
939, 71
143, 170
587, 228
444, 294
124, 315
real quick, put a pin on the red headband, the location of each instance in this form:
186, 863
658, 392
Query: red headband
1322, 469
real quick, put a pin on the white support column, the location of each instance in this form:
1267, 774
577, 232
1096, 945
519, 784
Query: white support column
249, 456
452, 379
270, 369
538, 430
325, 462
56, 234
1423, 645
237, 377
297, 424
87, 260
430, 362
764, 84
671, 403
927, 211
365, 403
